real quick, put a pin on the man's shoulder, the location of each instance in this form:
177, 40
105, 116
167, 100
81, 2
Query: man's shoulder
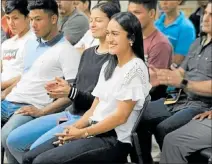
77, 16
186, 23
160, 39
64, 46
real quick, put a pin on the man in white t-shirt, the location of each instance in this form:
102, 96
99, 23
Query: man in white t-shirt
12, 50
50, 56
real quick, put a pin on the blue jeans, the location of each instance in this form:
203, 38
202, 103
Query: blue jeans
36, 132
15, 121
159, 119
7, 110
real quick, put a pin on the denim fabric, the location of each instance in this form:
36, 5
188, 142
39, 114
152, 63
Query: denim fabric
15, 121
36, 132
8, 109
90, 150
159, 119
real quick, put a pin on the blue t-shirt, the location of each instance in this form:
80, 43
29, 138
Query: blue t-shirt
181, 33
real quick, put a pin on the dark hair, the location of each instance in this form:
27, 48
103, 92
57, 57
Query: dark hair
132, 26
20, 5
89, 3
148, 4
49, 6
108, 8
116, 2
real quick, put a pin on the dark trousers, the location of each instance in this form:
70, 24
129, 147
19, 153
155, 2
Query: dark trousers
160, 120
99, 149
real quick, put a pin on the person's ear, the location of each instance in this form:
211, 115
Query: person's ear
54, 19
152, 13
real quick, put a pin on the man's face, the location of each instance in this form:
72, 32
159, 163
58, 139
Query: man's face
169, 6
17, 22
81, 6
141, 13
65, 6
41, 22
207, 20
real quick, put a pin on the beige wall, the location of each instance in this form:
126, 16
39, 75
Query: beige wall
188, 7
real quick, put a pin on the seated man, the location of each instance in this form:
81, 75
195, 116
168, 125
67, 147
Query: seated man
179, 30
194, 73
12, 50
84, 6
194, 136
72, 22
157, 49
6, 33
51, 55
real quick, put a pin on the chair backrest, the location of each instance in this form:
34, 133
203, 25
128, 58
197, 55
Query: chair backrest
136, 154
147, 100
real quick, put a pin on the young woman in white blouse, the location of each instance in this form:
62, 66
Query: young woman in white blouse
103, 133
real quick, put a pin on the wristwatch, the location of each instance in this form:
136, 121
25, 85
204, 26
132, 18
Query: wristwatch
184, 84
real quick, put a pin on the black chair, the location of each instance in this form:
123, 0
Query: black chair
136, 153
207, 154
203, 156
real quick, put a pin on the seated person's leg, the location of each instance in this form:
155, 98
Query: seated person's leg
20, 139
91, 150
174, 122
181, 143
8, 109
15, 121
154, 114
58, 129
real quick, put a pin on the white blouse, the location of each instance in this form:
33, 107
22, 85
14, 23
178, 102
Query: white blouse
129, 82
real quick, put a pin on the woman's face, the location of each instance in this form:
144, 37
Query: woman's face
98, 23
117, 38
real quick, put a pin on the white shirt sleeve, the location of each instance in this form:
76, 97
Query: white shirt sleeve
97, 90
135, 85
69, 60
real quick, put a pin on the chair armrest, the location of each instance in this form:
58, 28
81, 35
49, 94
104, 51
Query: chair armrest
206, 153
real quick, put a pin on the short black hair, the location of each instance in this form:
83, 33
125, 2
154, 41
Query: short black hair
49, 6
89, 3
116, 2
148, 4
20, 5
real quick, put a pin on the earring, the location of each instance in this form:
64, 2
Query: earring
131, 44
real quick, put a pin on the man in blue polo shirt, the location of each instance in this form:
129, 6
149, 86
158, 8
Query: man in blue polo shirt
179, 30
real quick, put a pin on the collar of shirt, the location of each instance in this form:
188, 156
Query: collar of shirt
204, 41
177, 21
52, 42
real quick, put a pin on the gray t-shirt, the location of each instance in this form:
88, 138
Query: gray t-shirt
198, 66
74, 26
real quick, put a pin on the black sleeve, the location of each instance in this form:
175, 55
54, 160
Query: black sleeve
83, 100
